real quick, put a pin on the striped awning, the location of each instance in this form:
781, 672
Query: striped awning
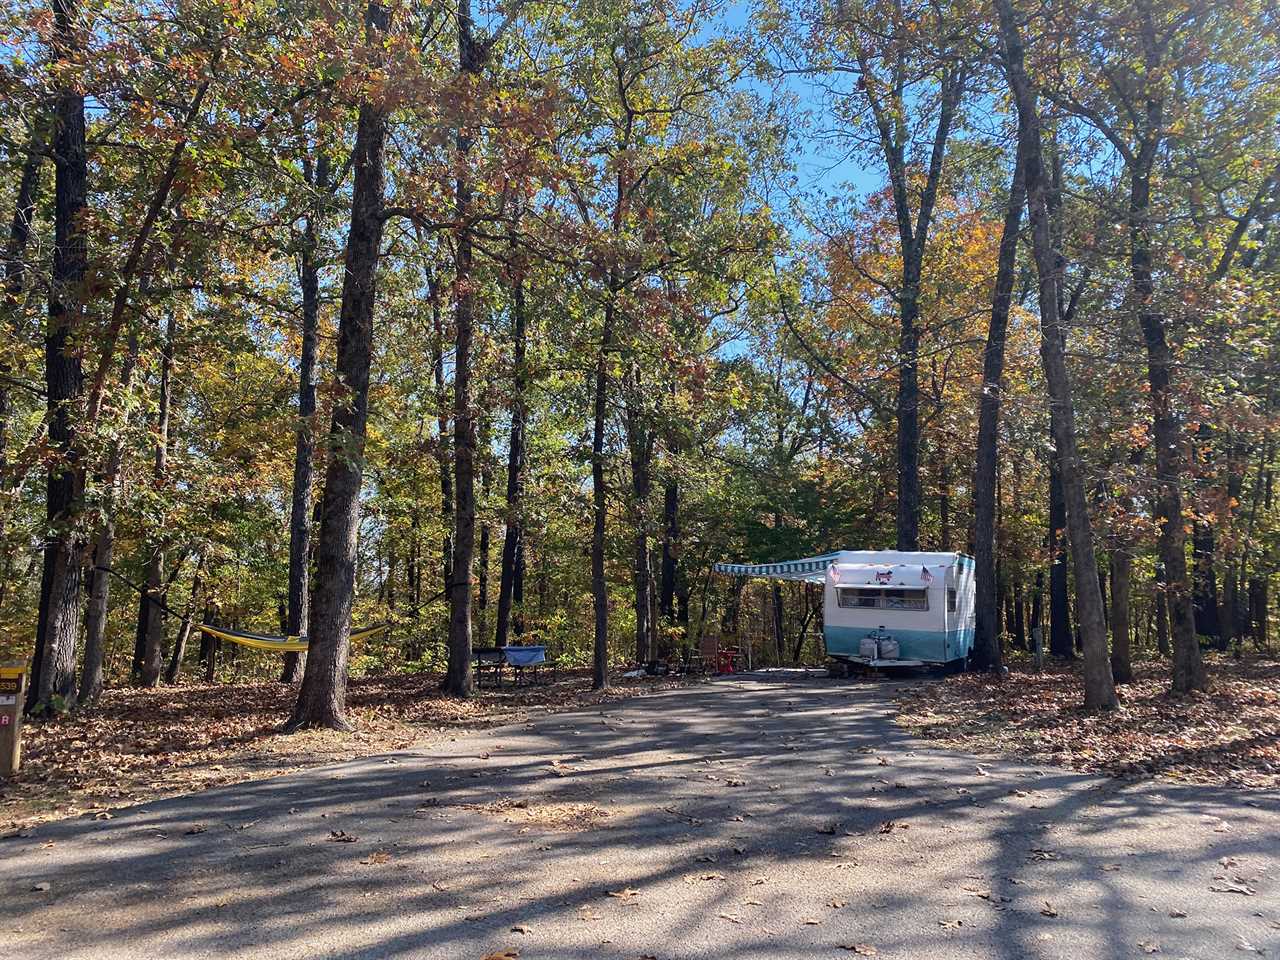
812, 569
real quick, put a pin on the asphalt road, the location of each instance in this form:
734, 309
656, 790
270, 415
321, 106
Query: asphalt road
768, 819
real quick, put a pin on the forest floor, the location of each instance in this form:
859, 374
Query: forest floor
143, 745
1230, 736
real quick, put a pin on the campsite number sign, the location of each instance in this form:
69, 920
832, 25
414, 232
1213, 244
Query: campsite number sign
12, 683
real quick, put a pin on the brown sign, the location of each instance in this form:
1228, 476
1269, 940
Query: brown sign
10, 684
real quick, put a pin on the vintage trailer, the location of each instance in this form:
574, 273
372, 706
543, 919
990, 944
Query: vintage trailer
886, 607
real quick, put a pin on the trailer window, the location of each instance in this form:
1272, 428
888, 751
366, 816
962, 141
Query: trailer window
878, 599
951, 600
906, 600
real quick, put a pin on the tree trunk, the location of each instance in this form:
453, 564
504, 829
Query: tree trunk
599, 504
1188, 670
779, 625
1060, 643
986, 647
486, 484
1099, 688
323, 694
1258, 603
1019, 617
908, 417
640, 440
209, 646
1166, 434
184, 632
458, 678
1121, 633
151, 614
1204, 591
91, 675
513, 537
670, 549
1162, 616
300, 506
913, 235
53, 674
443, 437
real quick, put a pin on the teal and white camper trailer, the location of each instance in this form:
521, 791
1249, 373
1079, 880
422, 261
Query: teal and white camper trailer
886, 607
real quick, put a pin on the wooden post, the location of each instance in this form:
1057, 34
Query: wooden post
1037, 639
13, 688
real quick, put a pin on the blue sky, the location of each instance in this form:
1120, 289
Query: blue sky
820, 167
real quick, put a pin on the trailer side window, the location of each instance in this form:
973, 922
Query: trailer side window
875, 599
951, 600
906, 600
850, 599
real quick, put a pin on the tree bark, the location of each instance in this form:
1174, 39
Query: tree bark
1188, 670
1121, 631
486, 484
640, 441
1060, 643
1099, 687
670, 549
322, 696
1204, 591
91, 674
1162, 616
300, 506
151, 615
443, 441
986, 642
458, 677
53, 674
184, 632
913, 236
599, 503
513, 537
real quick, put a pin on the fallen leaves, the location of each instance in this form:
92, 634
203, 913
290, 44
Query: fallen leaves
341, 836
1231, 736
861, 949
140, 745
1048, 910
1228, 887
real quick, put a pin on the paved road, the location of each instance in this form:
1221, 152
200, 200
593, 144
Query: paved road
759, 819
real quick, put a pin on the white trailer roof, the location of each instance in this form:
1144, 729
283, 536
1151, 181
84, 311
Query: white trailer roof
850, 564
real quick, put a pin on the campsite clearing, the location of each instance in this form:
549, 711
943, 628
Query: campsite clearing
747, 818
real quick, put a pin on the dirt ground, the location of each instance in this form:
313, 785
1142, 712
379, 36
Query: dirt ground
1229, 736
141, 745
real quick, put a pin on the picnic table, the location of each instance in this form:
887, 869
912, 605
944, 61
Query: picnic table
526, 662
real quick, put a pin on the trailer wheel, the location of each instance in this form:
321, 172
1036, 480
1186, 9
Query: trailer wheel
837, 669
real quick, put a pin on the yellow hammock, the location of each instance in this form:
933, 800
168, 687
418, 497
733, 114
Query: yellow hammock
259, 641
